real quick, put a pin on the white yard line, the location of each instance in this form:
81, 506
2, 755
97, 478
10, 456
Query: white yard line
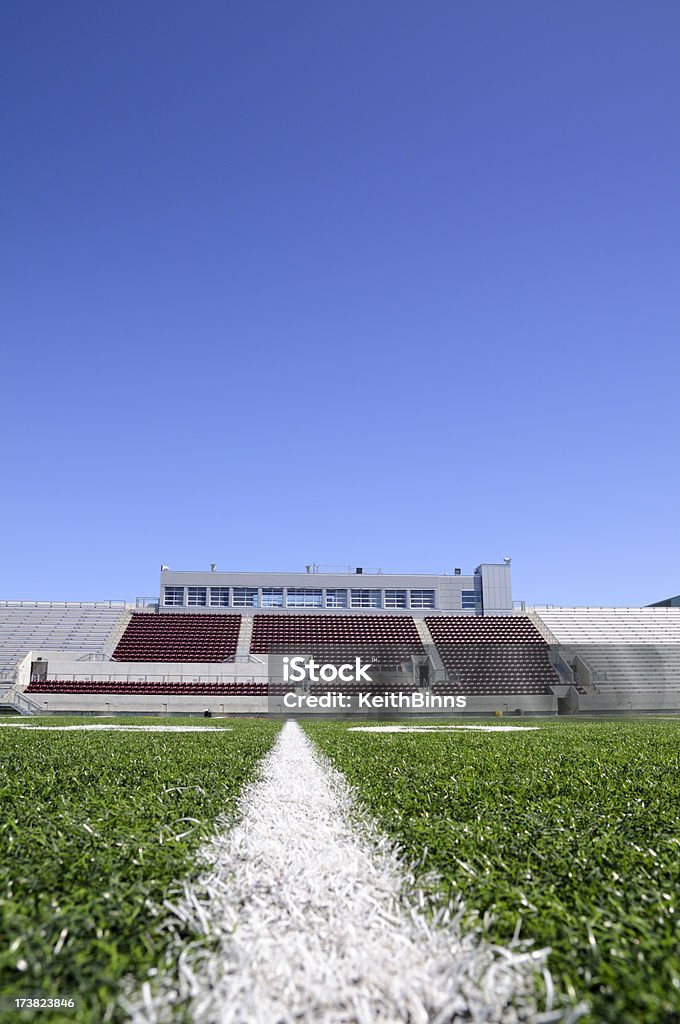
116, 728
306, 915
443, 728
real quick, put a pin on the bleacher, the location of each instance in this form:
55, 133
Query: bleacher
384, 640
496, 655
63, 626
616, 651
144, 687
624, 650
179, 637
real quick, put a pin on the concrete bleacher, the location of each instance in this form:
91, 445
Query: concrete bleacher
625, 651
66, 626
492, 655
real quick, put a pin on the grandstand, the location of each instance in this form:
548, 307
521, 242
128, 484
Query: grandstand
384, 640
185, 638
622, 658
493, 655
219, 639
64, 626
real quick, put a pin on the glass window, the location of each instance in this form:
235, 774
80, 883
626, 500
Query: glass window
470, 599
173, 595
245, 597
395, 599
219, 597
365, 599
422, 599
272, 597
336, 599
303, 597
197, 596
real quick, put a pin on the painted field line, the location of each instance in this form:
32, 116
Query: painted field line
443, 728
306, 915
116, 728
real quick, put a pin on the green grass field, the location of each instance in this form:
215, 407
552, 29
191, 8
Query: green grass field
574, 830
95, 828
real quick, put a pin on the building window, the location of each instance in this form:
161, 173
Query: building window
470, 599
219, 597
173, 595
272, 597
395, 599
303, 597
422, 599
365, 599
245, 597
197, 596
336, 599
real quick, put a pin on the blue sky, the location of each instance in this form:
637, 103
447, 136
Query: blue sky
385, 284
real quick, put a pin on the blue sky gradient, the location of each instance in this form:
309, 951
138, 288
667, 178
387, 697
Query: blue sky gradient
389, 284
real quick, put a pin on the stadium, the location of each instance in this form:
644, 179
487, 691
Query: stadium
387, 282
416, 799
216, 639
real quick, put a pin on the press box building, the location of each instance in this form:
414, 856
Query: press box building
487, 591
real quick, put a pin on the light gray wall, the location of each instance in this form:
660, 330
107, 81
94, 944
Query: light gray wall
161, 704
447, 588
496, 588
628, 703
60, 665
156, 704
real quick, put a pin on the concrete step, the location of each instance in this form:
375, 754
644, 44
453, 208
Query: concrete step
245, 636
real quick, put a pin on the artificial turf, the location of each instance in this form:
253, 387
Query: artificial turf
573, 831
95, 829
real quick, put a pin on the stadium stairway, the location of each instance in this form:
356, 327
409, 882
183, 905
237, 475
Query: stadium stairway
116, 634
245, 637
431, 649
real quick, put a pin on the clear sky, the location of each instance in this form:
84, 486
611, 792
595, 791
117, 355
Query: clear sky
392, 284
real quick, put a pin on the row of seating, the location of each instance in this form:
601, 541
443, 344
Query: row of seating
488, 629
59, 627
508, 690
286, 633
272, 689
179, 637
172, 689
498, 652
494, 655
348, 688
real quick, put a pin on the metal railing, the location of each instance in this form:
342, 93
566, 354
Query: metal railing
20, 702
63, 604
152, 679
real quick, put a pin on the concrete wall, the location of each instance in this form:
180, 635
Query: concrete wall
61, 665
629, 703
169, 705
155, 704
